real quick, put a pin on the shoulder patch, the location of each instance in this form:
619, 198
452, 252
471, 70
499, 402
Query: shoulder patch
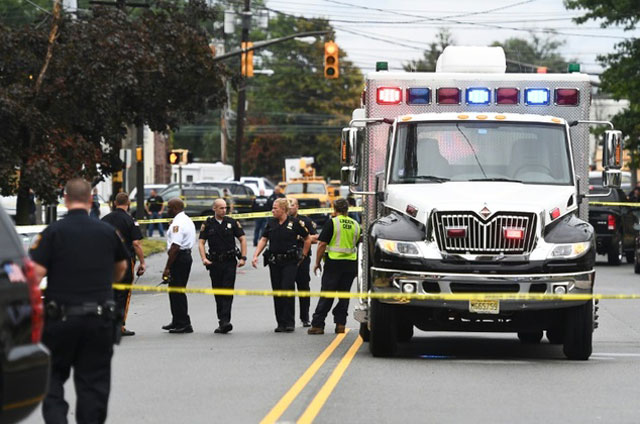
314, 225
176, 228
302, 223
238, 224
36, 242
202, 227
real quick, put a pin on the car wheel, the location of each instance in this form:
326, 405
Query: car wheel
578, 336
530, 337
614, 256
383, 339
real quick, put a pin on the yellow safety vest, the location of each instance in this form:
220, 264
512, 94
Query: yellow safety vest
346, 233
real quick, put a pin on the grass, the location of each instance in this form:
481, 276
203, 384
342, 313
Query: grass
149, 246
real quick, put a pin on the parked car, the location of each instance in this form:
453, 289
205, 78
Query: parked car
595, 180
24, 361
239, 195
198, 200
614, 225
147, 191
259, 183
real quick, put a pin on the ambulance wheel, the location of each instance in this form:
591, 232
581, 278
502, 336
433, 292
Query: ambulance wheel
614, 256
578, 334
383, 339
530, 337
364, 331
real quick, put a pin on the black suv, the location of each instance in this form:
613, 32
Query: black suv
614, 225
237, 195
24, 362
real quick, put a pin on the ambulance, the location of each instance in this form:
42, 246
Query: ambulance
475, 183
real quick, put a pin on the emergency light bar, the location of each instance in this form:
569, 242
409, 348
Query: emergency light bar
507, 96
536, 96
567, 96
448, 96
478, 96
389, 95
418, 96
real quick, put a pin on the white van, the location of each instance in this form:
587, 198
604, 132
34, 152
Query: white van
258, 183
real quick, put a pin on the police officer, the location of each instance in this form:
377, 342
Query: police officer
82, 257
220, 232
302, 276
282, 234
129, 230
181, 236
338, 238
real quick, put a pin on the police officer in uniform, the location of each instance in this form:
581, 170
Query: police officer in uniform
302, 276
181, 236
220, 232
282, 234
129, 230
338, 238
81, 257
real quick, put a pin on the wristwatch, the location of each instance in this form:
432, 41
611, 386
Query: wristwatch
244, 258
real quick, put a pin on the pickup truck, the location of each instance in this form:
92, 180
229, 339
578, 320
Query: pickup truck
614, 226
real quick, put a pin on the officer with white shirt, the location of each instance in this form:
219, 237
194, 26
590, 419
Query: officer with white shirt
181, 236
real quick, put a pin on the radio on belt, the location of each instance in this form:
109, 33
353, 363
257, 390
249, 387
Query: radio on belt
474, 181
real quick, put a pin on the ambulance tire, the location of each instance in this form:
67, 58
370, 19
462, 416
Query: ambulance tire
530, 337
383, 338
364, 331
578, 335
615, 253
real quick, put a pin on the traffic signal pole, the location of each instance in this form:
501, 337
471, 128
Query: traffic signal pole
242, 95
140, 172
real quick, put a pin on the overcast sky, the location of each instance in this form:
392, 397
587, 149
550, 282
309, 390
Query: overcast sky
407, 27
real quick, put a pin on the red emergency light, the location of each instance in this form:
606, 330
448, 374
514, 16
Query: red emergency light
554, 213
611, 222
507, 96
457, 232
389, 95
448, 96
567, 96
514, 233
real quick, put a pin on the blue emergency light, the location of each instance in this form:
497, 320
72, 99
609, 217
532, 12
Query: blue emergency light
418, 96
478, 96
536, 96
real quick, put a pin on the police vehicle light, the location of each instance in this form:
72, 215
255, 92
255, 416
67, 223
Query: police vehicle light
513, 233
389, 95
554, 213
567, 96
536, 96
573, 67
382, 66
418, 96
456, 232
507, 96
478, 96
448, 96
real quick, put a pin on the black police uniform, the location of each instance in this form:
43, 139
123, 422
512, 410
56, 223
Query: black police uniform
283, 265
222, 253
338, 275
303, 278
129, 230
79, 253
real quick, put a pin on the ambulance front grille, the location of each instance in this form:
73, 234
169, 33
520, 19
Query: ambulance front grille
484, 236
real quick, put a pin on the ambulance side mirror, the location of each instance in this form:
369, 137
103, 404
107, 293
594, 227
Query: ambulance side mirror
612, 159
349, 156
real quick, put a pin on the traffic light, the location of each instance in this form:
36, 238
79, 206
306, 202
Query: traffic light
173, 157
331, 70
247, 59
179, 157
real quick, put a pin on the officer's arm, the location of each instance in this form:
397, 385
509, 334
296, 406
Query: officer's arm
203, 254
119, 269
243, 245
322, 246
137, 247
261, 245
40, 272
173, 254
307, 246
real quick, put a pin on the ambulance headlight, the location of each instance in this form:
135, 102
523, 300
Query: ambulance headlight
399, 248
569, 250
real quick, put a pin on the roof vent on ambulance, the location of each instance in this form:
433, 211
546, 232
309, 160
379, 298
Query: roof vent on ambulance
468, 59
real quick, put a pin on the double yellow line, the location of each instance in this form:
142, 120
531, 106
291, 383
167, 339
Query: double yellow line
321, 397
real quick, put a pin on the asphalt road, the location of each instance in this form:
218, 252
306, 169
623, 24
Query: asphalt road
254, 374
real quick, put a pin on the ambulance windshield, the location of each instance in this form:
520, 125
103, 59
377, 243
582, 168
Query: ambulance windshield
434, 152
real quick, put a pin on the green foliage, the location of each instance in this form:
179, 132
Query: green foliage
610, 12
108, 70
536, 51
430, 56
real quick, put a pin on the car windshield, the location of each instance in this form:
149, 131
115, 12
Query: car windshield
528, 153
311, 188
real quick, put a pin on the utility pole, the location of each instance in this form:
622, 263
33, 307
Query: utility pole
242, 95
140, 172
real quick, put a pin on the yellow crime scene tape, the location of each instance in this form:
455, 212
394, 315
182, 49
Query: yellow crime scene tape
252, 215
629, 204
388, 296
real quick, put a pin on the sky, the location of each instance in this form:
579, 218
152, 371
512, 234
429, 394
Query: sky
399, 30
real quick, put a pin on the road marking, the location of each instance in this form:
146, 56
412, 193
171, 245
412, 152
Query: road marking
282, 405
318, 402
622, 355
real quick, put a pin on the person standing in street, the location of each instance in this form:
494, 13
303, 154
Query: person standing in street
81, 258
260, 205
283, 257
95, 205
220, 231
338, 238
129, 231
277, 194
154, 208
181, 236
302, 276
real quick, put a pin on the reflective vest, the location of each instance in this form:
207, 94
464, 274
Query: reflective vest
346, 233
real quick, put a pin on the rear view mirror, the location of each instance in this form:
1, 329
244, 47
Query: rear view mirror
612, 150
611, 178
349, 156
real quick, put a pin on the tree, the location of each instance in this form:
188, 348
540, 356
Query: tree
105, 71
526, 55
430, 56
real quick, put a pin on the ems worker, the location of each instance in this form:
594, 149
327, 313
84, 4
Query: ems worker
81, 257
302, 276
282, 233
181, 236
220, 232
339, 238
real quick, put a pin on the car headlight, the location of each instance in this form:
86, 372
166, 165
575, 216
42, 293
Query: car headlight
399, 248
569, 250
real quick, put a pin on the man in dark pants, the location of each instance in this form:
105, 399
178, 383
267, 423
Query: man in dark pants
181, 236
302, 275
282, 233
339, 238
81, 257
154, 208
129, 230
220, 232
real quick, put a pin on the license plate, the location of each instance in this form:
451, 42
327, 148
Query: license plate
484, 306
